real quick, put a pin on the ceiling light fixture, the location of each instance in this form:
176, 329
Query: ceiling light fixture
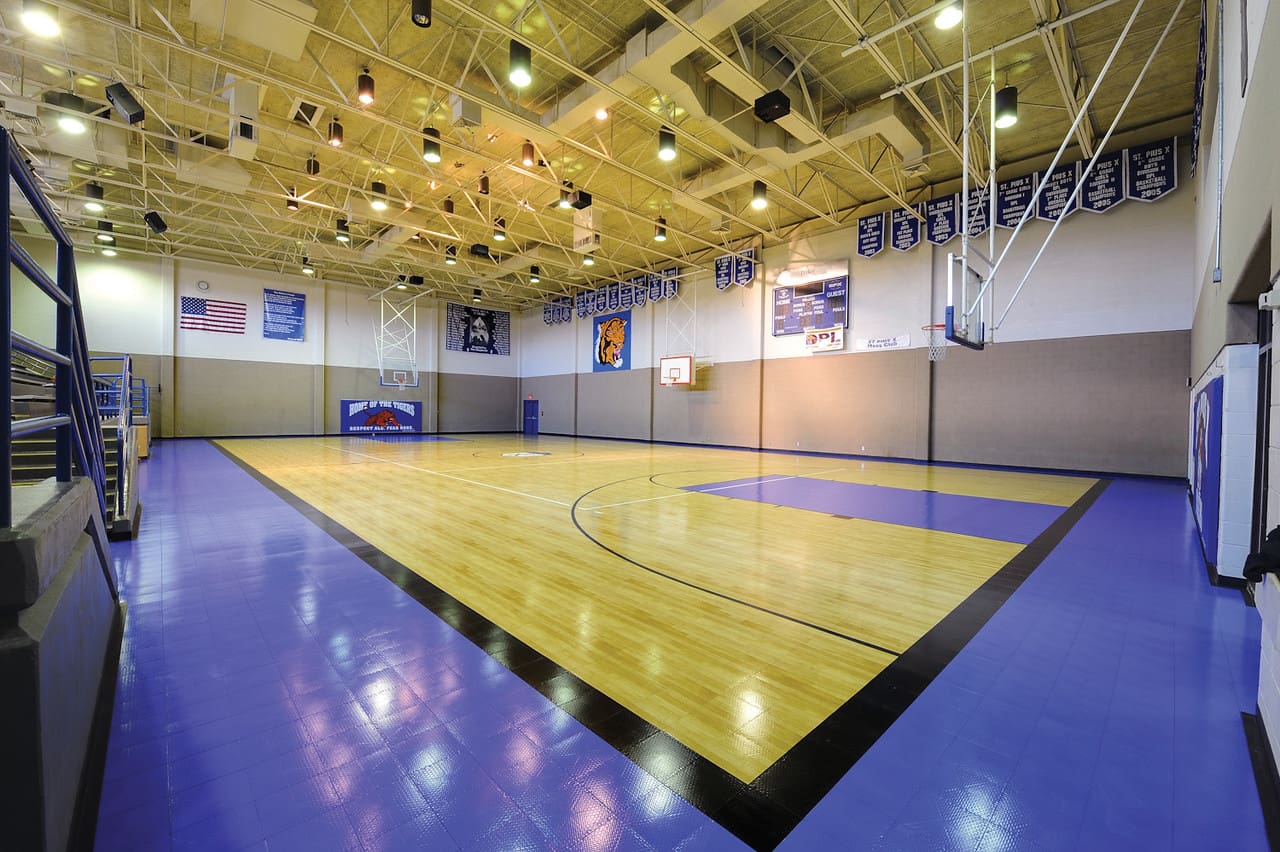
402, 285
588, 260
420, 13
483, 188
602, 114
450, 255
446, 206
70, 121
520, 65
660, 230
666, 145
107, 251
759, 195
1007, 107
378, 197
292, 201
307, 268
949, 16
93, 194
155, 222
335, 132
105, 233
534, 278
313, 166
40, 18
342, 231
527, 153
364, 87
431, 144
500, 229
565, 200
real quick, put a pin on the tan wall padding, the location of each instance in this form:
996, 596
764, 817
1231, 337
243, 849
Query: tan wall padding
477, 403
616, 405
872, 403
557, 402
223, 397
721, 407
1111, 403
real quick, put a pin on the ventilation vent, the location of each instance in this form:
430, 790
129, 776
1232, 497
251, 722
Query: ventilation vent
305, 113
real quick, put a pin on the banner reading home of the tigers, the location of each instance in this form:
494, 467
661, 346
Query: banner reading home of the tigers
612, 342
374, 416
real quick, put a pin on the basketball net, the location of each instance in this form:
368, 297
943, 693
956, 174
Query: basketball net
937, 333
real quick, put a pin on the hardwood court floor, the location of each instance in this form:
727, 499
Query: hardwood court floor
735, 625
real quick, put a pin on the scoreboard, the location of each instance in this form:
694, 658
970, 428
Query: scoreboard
814, 305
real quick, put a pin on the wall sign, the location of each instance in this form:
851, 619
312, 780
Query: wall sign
1104, 187
1058, 186
1153, 170
612, 343
904, 229
380, 416
732, 269
1012, 198
483, 330
813, 305
941, 219
871, 235
284, 315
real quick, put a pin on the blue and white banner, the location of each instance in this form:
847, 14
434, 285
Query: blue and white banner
735, 269
871, 235
373, 416
613, 344
941, 219
1058, 186
670, 282
724, 271
558, 310
1153, 170
1104, 187
904, 229
979, 211
1012, 199
284, 315
470, 329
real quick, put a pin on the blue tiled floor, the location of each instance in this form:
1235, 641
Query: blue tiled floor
277, 693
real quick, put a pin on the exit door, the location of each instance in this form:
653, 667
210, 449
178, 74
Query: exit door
531, 418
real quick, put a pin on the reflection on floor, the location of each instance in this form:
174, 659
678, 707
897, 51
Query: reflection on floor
278, 693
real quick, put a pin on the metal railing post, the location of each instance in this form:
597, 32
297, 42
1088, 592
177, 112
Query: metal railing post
6, 331
64, 373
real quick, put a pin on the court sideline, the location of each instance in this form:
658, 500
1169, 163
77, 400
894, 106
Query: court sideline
1098, 703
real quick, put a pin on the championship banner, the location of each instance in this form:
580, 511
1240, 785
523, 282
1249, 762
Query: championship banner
979, 211
671, 282
1153, 170
941, 219
612, 343
380, 416
1058, 186
1104, 188
732, 269
470, 329
558, 310
871, 235
904, 229
724, 271
1012, 198
824, 340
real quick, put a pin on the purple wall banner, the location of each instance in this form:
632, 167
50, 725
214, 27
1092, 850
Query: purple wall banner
559, 309
904, 229
942, 219
871, 235
380, 416
1206, 465
655, 287
1104, 187
1012, 198
1058, 186
1153, 170
670, 282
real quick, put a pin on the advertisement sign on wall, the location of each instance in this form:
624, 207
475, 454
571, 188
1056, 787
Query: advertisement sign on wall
380, 416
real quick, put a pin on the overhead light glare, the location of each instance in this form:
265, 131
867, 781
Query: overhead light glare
588, 260
107, 251
105, 233
431, 144
378, 197
1007, 107
759, 195
666, 145
364, 87
93, 195
70, 121
40, 18
520, 65
602, 114
949, 16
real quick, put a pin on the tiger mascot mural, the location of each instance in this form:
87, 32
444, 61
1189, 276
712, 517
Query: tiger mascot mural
611, 338
383, 419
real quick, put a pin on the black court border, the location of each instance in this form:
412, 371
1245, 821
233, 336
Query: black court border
765, 811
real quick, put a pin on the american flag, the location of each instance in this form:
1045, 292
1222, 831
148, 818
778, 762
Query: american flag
212, 315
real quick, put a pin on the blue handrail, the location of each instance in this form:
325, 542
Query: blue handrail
76, 425
141, 395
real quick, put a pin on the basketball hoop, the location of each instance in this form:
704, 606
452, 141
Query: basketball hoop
937, 332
